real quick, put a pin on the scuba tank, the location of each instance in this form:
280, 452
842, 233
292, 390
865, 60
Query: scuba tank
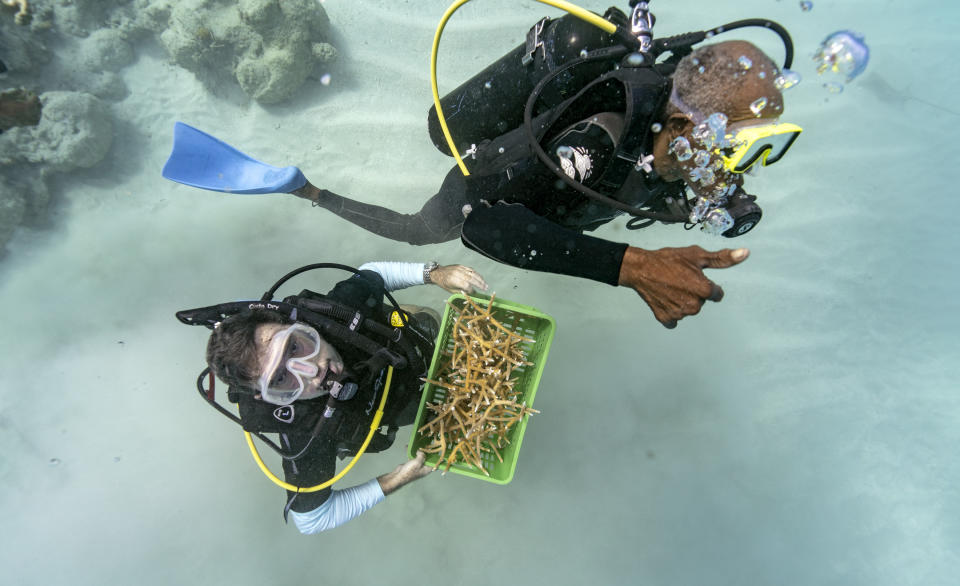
490, 103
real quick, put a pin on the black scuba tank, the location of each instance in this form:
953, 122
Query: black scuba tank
491, 102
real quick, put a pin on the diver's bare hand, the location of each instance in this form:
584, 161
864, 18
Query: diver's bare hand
671, 280
456, 278
404, 474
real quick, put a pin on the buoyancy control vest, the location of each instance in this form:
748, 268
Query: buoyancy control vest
347, 427
507, 169
369, 341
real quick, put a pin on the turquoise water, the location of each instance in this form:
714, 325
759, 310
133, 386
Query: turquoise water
801, 432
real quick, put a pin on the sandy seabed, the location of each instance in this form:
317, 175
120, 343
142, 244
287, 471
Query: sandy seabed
802, 432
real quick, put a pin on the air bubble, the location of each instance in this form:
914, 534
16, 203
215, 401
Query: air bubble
717, 222
786, 80
710, 132
717, 123
702, 134
487, 85
718, 191
325, 79
701, 159
680, 148
745, 62
700, 209
656, 127
702, 175
806, 6
844, 53
758, 105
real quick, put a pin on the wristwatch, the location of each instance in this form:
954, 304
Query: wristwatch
427, 269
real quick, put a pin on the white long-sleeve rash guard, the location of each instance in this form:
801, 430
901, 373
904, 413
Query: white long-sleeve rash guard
347, 504
342, 506
397, 275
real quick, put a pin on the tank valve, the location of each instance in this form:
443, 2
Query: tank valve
641, 25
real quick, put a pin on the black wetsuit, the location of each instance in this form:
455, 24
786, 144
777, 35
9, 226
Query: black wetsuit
522, 215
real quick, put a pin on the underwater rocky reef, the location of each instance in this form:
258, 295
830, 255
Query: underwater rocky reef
268, 48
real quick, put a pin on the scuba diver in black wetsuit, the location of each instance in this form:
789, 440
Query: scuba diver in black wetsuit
636, 132
580, 125
333, 375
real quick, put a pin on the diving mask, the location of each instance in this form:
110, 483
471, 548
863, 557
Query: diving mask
765, 143
291, 357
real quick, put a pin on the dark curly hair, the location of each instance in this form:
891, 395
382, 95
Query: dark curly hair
232, 352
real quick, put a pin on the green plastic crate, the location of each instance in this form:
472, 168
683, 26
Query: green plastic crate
521, 319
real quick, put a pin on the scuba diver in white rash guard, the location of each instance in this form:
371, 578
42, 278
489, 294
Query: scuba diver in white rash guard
321, 371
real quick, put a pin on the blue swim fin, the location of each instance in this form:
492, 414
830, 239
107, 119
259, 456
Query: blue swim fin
200, 160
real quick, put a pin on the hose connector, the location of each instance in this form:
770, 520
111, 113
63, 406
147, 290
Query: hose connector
641, 26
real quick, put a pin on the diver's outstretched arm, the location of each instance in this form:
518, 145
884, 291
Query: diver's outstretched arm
515, 235
670, 280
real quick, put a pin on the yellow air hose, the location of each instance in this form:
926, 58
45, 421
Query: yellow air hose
374, 426
573, 9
